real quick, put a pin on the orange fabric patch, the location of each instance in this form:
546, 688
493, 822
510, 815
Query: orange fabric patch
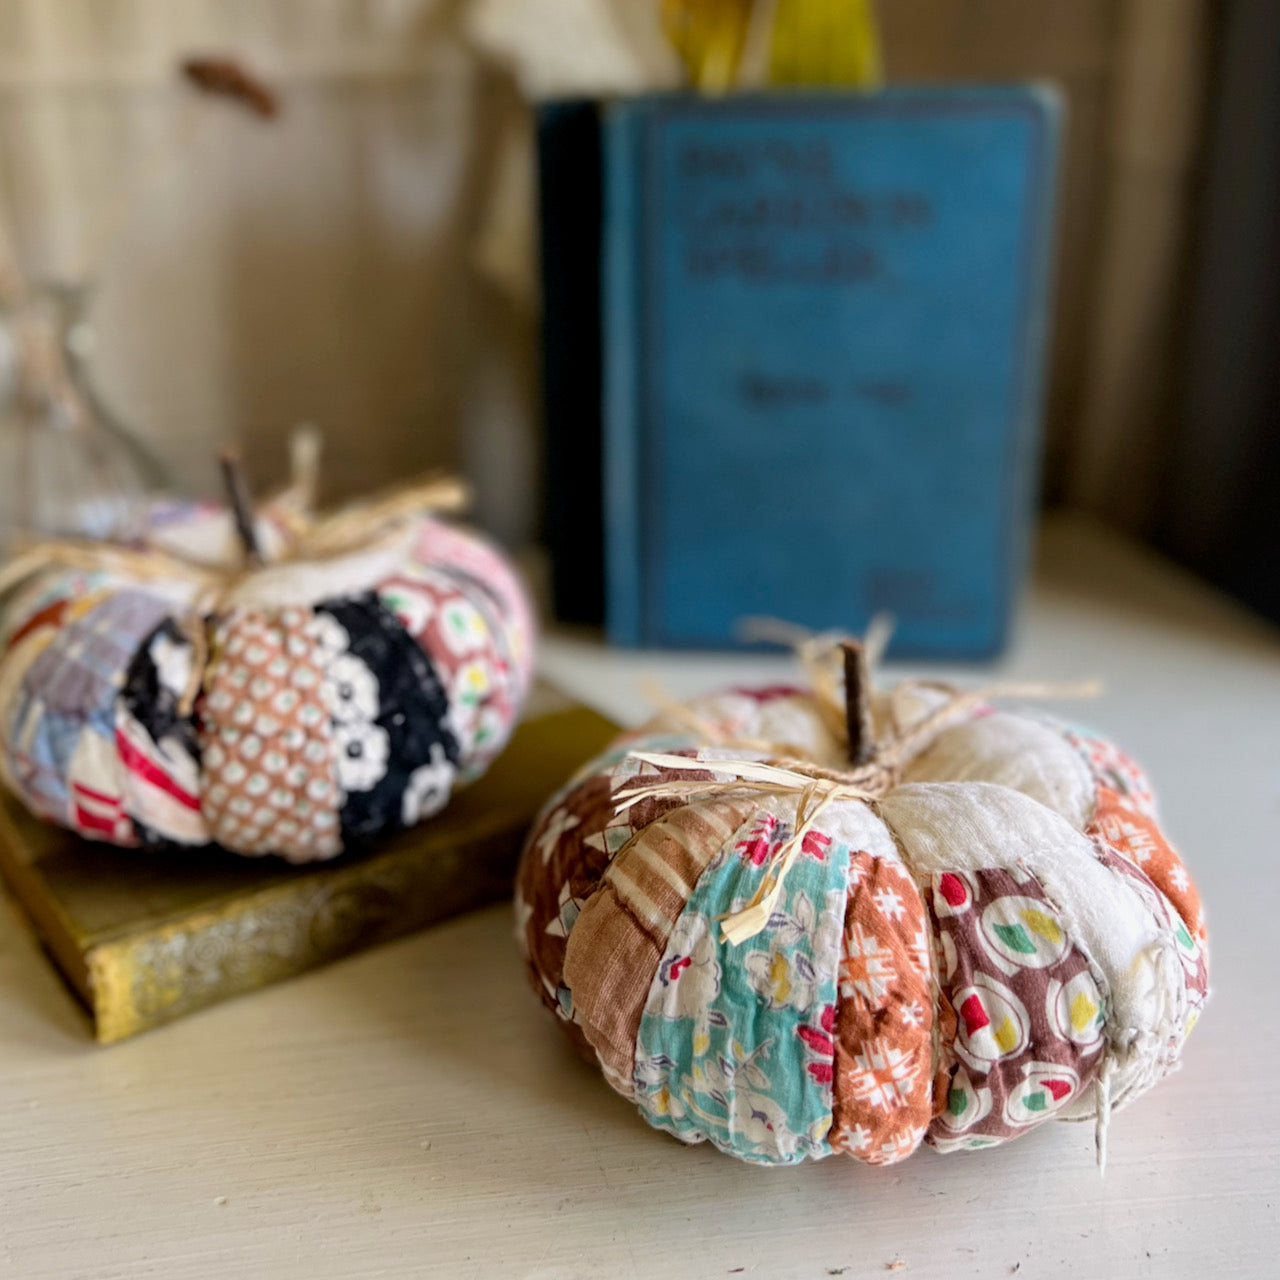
1134, 835
882, 1097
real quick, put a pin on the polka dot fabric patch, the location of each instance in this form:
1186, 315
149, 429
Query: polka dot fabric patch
1030, 1014
269, 775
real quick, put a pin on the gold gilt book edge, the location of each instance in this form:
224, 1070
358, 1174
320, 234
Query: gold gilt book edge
147, 977
43, 913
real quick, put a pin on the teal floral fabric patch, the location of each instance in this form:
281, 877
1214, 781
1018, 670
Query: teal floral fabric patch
736, 1049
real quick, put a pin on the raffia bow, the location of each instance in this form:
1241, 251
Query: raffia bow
359, 527
876, 766
345, 532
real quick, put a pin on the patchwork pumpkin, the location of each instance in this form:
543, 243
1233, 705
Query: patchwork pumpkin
975, 927
158, 694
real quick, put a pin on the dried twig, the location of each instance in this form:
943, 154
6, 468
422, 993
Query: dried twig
227, 78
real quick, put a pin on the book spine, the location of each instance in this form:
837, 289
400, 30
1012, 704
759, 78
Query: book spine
152, 977
569, 214
620, 318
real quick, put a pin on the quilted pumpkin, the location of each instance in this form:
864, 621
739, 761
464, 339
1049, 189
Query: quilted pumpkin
155, 695
980, 928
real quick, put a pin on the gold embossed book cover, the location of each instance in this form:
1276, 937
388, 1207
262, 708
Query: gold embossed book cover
145, 938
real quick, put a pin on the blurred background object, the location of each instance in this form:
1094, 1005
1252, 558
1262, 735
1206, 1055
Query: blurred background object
360, 263
1135, 75
315, 270
67, 468
1220, 511
819, 326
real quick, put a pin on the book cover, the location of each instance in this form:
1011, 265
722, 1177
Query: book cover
143, 939
824, 322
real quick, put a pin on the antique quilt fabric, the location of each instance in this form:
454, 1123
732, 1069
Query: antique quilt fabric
300, 709
999, 936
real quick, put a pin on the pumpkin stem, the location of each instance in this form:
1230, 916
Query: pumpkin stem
241, 504
857, 703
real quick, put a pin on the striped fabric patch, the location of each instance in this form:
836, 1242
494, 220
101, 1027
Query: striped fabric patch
622, 931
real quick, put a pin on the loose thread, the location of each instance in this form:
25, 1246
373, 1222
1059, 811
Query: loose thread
1102, 1093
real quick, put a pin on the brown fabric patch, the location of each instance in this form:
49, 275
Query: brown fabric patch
609, 965
1031, 1015
622, 932
269, 777
560, 866
566, 853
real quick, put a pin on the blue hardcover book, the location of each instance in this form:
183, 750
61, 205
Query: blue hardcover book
824, 323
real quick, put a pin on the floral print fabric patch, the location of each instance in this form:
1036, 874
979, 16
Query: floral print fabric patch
735, 1044
479, 678
320, 729
396, 750
883, 1054
156, 741
1132, 834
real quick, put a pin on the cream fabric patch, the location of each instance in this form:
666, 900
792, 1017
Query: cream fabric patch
1015, 752
951, 826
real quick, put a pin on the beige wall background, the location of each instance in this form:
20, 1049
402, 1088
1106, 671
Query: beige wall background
322, 267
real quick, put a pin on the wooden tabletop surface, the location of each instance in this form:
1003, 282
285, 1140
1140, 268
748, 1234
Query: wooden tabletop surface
412, 1112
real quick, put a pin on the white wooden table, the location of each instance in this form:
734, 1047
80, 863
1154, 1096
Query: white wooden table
412, 1112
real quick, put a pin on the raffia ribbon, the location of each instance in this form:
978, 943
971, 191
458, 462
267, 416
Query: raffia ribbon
345, 532
360, 527
816, 787
816, 794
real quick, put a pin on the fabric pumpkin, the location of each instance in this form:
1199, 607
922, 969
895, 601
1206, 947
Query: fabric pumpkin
1000, 936
297, 709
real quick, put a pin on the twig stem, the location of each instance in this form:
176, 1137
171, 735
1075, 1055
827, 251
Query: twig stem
241, 505
857, 703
